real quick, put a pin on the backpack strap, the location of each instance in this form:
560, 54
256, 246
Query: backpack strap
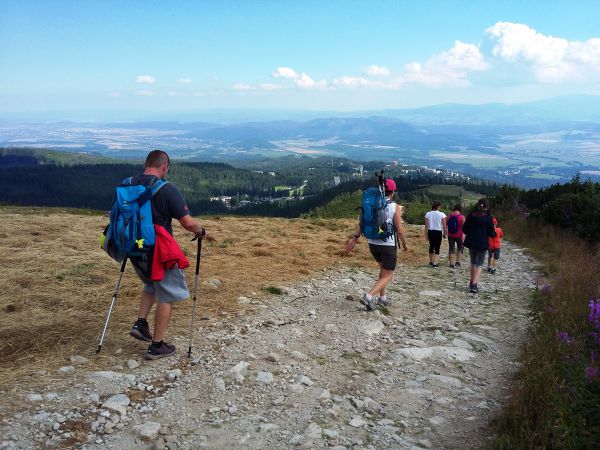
150, 191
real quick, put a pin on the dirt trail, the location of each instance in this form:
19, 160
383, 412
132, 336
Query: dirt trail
307, 369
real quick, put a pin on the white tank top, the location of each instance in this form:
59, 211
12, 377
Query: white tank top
390, 210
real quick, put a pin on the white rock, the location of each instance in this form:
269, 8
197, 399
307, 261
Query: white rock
243, 300
35, 398
442, 380
148, 430
331, 328
324, 395
117, 403
268, 427
431, 293
213, 283
274, 357
76, 359
220, 384
51, 396
312, 431
133, 364
357, 422
295, 388
66, 370
264, 377
331, 434
436, 420
174, 374
373, 327
303, 379
239, 370
299, 355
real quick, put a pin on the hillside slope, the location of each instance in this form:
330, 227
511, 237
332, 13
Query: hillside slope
309, 368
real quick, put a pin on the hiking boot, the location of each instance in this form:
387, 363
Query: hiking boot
141, 331
160, 351
430, 263
493, 272
452, 266
473, 289
489, 270
457, 264
435, 266
382, 302
369, 304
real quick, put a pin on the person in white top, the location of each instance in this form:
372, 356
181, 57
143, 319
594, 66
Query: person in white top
384, 252
435, 231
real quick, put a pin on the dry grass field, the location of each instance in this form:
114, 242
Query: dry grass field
56, 283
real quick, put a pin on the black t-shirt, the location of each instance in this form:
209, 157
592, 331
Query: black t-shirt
167, 204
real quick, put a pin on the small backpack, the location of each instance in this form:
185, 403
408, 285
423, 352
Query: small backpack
453, 224
131, 229
372, 216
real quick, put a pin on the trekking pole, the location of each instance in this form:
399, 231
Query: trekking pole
495, 284
198, 253
112, 304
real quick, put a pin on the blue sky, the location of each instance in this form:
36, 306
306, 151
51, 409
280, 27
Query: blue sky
166, 56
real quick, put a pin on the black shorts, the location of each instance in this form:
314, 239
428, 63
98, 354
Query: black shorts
385, 255
495, 253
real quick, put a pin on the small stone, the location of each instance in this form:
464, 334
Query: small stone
35, 398
274, 357
117, 403
331, 328
174, 374
303, 379
299, 355
148, 430
76, 359
67, 370
264, 377
357, 422
239, 370
324, 395
436, 420
133, 364
312, 431
213, 283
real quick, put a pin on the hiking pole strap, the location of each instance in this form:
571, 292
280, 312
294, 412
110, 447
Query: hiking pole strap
112, 304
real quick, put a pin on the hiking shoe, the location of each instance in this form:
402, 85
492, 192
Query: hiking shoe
474, 289
161, 351
435, 266
452, 266
382, 302
493, 271
489, 270
369, 304
430, 263
457, 264
141, 331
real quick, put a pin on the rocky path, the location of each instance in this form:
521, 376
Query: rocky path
307, 369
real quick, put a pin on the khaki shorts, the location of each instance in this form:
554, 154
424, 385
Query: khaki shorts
172, 288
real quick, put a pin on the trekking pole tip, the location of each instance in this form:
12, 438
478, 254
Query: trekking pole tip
189, 352
98, 349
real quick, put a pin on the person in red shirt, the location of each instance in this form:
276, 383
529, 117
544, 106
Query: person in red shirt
494, 251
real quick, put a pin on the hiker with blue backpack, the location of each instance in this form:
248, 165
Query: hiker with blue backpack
141, 231
454, 225
381, 224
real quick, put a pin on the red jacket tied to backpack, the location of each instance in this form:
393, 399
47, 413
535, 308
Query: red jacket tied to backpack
166, 254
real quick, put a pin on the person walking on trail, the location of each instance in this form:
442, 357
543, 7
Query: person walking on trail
384, 252
494, 252
435, 231
454, 229
167, 204
478, 228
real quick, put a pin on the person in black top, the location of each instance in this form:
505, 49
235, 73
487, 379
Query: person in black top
167, 204
477, 228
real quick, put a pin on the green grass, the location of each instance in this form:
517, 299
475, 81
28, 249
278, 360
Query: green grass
274, 290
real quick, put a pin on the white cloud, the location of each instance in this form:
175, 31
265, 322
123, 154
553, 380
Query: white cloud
352, 82
174, 94
269, 86
552, 59
184, 81
241, 87
375, 70
302, 80
449, 68
285, 72
144, 93
145, 79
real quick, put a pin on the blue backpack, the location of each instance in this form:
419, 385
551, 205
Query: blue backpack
131, 229
372, 216
453, 224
